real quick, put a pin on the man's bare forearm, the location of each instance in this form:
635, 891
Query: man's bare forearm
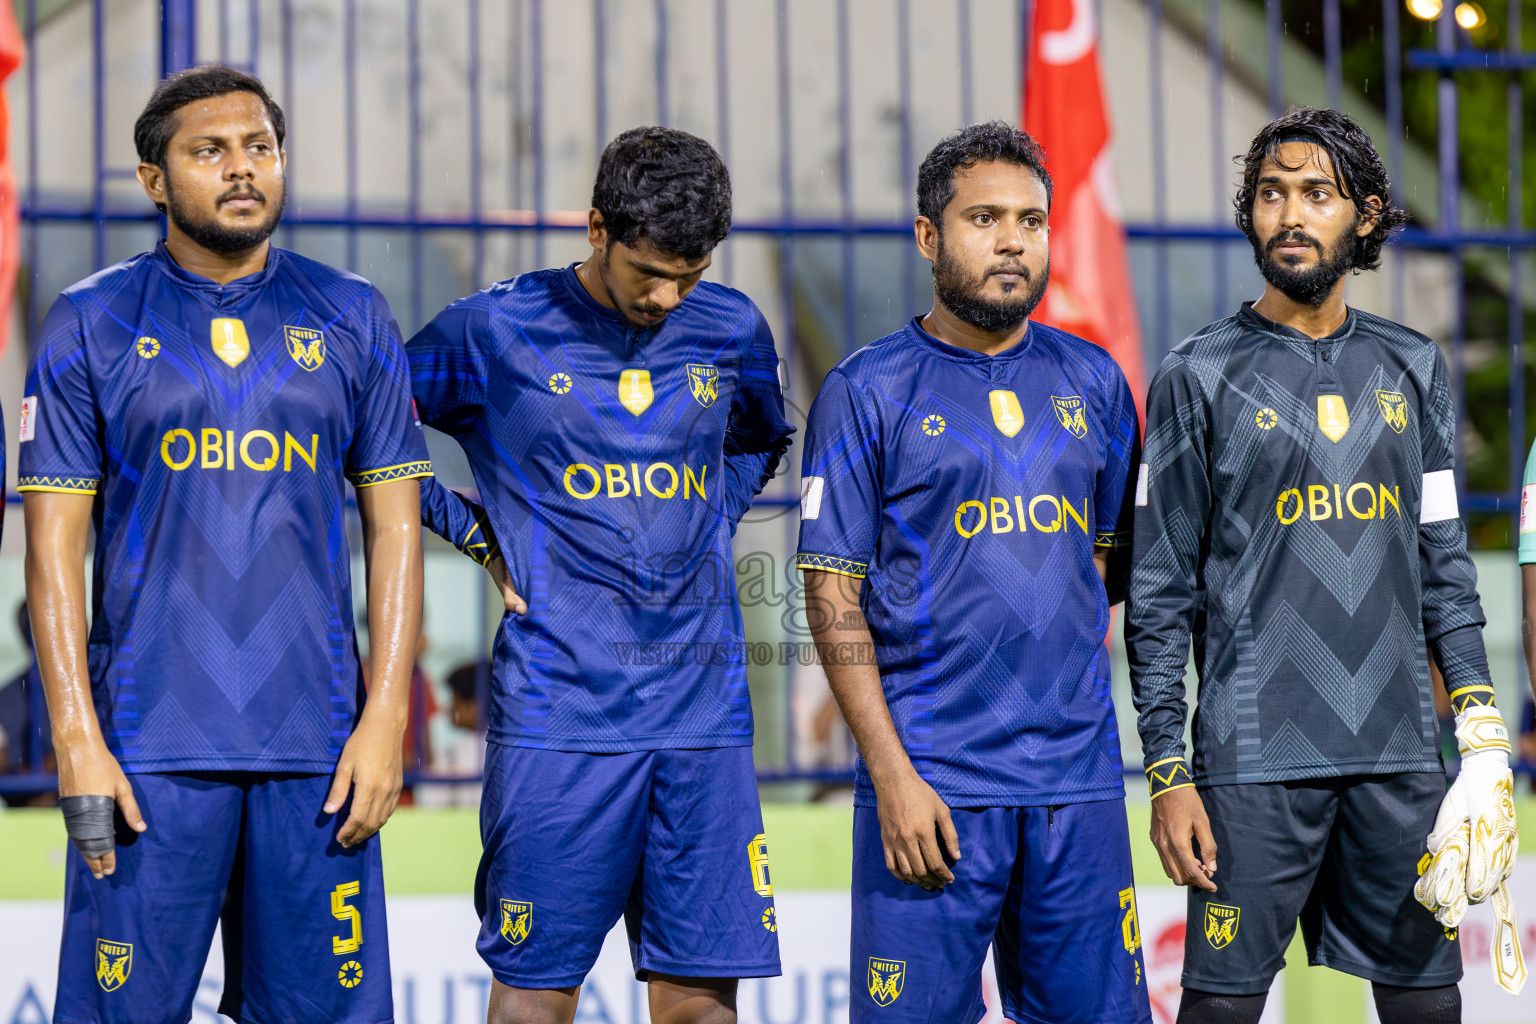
58, 529
846, 648
392, 549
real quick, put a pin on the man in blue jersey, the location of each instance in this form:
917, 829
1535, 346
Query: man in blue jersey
1297, 520
203, 406
619, 417
964, 531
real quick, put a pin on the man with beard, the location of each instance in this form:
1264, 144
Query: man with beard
1297, 517
965, 520
203, 406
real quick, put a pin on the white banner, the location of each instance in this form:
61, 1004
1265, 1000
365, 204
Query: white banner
439, 979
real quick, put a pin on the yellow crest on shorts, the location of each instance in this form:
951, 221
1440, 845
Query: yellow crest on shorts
516, 921
1220, 924
1006, 413
635, 390
227, 336
885, 980
1069, 411
1333, 416
306, 345
114, 962
1394, 409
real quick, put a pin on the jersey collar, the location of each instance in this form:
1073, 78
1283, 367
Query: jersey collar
964, 355
1260, 322
196, 282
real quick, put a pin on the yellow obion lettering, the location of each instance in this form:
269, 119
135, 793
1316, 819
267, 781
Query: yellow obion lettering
1362, 500
1000, 515
624, 480
980, 523
757, 857
342, 911
165, 448
1006, 519
292, 446
212, 448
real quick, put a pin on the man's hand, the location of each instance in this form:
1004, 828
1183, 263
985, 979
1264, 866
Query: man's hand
1179, 821
917, 833
370, 767
502, 577
89, 769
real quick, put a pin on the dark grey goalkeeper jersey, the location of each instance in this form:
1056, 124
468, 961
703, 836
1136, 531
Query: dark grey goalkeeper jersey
1296, 516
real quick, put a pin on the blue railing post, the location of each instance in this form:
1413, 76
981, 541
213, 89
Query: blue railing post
178, 35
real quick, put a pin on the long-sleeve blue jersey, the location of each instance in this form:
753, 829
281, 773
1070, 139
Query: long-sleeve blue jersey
970, 493
613, 463
1297, 519
216, 426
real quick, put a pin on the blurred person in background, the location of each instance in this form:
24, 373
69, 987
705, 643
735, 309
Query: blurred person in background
464, 753
24, 721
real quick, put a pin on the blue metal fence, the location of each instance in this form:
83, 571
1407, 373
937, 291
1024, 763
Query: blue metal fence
241, 32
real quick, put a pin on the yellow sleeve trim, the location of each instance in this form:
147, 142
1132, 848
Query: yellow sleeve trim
1170, 789
831, 563
1111, 540
1475, 688
404, 471
58, 484
1166, 760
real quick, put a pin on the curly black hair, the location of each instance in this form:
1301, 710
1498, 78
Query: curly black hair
967, 147
1357, 169
157, 124
666, 186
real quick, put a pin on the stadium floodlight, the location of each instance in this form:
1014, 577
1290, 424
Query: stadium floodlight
1470, 16
1425, 10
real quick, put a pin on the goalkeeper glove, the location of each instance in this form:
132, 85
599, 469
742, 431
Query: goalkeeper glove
1473, 846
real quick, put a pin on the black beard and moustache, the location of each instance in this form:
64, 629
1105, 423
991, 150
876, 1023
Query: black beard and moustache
215, 237
961, 295
1309, 286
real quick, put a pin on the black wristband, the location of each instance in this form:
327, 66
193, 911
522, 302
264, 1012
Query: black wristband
88, 820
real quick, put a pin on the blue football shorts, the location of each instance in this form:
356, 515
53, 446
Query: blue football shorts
303, 918
1049, 889
671, 840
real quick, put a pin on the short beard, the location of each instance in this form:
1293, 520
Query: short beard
216, 238
1311, 286
961, 295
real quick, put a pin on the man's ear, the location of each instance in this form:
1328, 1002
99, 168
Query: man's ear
927, 234
1368, 220
152, 180
597, 231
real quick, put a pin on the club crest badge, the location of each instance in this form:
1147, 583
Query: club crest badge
516, 921
885, 980
704, 382
635, 390
1394, 409
114, 962
1006, 413
1070, 412
306, 345
1332, 417
227, 335
1220, 924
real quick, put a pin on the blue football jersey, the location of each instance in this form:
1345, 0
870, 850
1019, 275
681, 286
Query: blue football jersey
217, 427
613, 463
969, 492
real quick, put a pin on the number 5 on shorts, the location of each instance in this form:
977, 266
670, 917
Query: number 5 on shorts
342, 912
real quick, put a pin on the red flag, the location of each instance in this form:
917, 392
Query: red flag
1090, 293
12, 50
